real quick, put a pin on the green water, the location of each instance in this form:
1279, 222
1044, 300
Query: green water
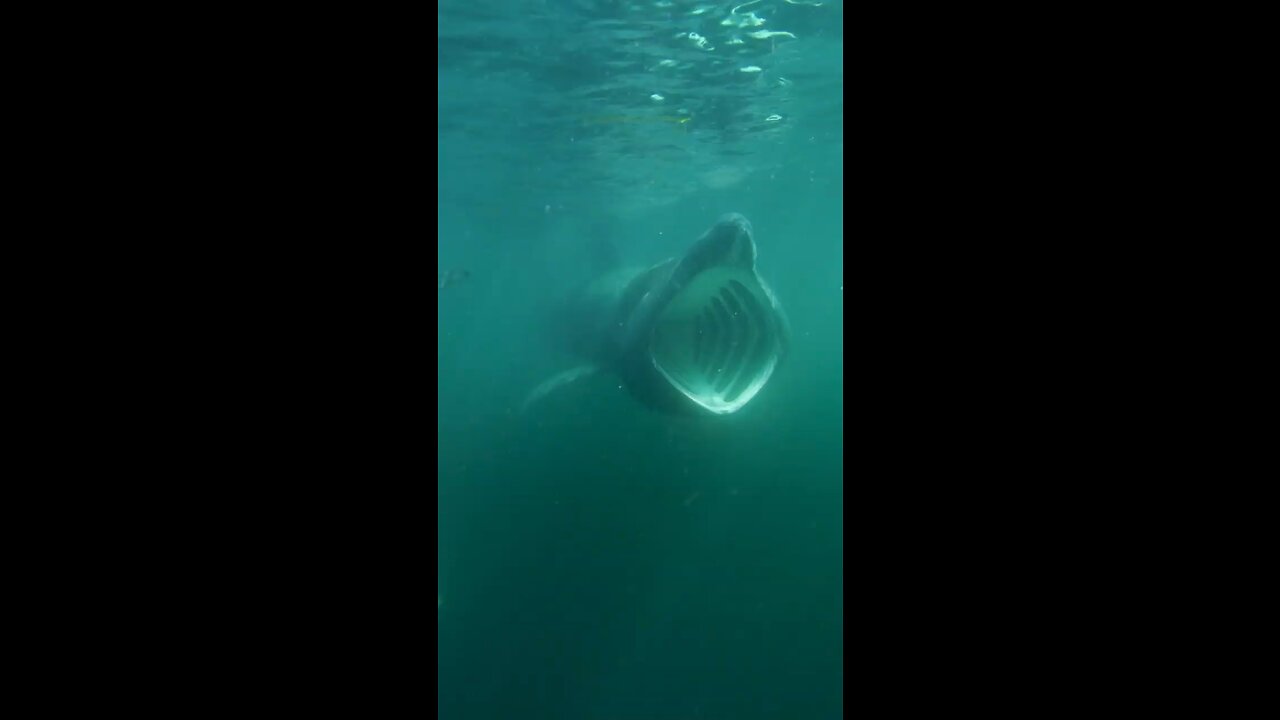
597, 559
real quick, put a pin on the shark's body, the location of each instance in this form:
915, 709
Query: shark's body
698, 334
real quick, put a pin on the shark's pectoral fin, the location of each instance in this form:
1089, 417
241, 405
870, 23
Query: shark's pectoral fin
557, 381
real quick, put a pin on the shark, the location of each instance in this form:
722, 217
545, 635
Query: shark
700, 334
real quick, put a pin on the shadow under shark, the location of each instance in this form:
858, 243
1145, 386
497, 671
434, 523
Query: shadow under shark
701, 334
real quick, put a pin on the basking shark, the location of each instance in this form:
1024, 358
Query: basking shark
700, 334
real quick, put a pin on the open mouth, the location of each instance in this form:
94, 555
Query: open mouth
717, 341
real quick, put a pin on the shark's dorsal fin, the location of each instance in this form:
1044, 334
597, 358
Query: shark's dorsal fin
556, 381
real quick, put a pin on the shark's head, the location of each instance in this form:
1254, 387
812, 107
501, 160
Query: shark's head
707, 333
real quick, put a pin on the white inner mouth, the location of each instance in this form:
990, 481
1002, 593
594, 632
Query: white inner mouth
717, 340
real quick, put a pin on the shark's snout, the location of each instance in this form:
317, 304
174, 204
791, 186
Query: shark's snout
737, 221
